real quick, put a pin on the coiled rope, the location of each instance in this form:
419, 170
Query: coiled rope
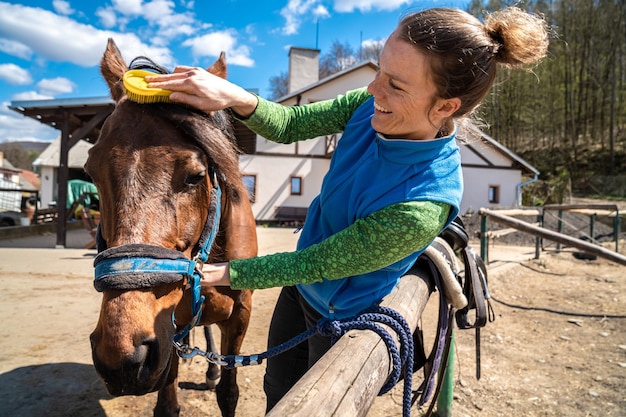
369, 319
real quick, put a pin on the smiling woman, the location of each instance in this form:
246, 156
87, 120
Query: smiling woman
406, 105
394, 181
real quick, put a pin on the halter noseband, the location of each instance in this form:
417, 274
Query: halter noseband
139, 266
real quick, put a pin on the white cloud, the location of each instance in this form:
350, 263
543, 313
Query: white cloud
31, 95
348, 6
159, 14
295, 9
321, 11
55, 86
107, 16
58, 38
172, 25
156, 10
14, 74
128, 7
373, 43
15, 127
51, 36
62, 7
251, 34
17, 49
164, 24
213, 43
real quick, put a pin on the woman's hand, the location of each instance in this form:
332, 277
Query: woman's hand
199, 88
216, 275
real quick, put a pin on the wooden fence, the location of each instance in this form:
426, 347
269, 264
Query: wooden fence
501, 218
347, 379
593, 211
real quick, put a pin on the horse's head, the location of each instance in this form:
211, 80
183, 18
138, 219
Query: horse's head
157, 168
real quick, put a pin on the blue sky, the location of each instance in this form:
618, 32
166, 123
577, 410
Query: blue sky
50, 49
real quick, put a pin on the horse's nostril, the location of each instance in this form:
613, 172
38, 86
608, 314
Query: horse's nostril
94, 339
147, 358
138, 373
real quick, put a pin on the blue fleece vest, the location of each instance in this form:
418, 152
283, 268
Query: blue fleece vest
368, 173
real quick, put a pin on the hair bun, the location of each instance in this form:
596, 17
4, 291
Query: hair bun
519, 38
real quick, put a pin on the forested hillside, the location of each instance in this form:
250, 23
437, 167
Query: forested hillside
567, 116
22, 154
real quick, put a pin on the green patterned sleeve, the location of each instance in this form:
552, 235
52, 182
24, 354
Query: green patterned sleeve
287, 124
369, 244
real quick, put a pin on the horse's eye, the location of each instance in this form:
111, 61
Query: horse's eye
196, 178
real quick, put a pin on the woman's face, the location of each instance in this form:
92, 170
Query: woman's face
404, 93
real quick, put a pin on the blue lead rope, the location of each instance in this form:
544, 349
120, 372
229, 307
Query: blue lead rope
369, 319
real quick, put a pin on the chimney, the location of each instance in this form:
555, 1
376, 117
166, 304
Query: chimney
304, 67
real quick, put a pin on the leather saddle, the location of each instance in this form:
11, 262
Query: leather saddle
475, 279
474, 312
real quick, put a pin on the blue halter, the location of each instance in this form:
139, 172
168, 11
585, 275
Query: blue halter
139, 266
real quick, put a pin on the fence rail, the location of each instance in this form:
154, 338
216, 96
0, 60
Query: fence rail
539, 232
347, 379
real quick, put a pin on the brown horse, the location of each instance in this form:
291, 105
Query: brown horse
159, 169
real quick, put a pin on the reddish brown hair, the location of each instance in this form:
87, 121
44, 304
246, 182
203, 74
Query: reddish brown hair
465, 52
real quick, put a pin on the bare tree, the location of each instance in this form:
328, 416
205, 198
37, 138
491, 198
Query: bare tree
279, 85
340, 57
18, 156
370, 50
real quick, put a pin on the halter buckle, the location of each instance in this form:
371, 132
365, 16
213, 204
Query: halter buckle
198, 265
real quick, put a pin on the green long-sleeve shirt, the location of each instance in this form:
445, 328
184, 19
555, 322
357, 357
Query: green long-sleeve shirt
378, 240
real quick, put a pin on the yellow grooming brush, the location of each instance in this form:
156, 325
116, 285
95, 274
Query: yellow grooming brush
138, 91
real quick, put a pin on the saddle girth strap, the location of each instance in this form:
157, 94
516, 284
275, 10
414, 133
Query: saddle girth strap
474, 286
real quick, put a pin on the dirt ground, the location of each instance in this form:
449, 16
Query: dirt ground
556, 348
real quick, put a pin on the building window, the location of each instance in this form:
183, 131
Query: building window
494, 194
249, 181
296, 185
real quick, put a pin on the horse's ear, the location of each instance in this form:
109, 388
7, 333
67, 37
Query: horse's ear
219, 67
112, 68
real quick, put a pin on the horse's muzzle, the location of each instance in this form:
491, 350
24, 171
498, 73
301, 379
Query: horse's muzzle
144, 371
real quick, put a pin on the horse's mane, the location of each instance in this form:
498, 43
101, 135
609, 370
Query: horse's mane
145, 63
212, 132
